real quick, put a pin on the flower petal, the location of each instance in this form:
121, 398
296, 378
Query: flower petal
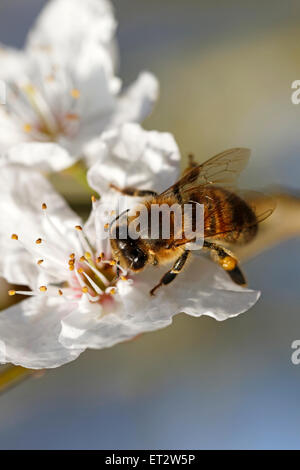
137, 101
22, 193
204, 288
29, 334
131, 156
64, 25
131, 312
42, 156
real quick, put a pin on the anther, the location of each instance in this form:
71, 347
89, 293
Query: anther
72, 255
38, 241
93, 199
43, 289
85, 290
14, 236
40, 261
11, 292
71, 262
79, 228
75, 93
106, 226
112, 262
80, 270
60, 292
27, 128
71, 267
88, 255
82, 259
44, 206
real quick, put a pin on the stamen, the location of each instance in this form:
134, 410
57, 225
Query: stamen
38, 241
60, 292
79, 228
14, 236
75, 93
111, 290
72, 116
27, 128
11, 292
85, 290
93, 284
43, 289
40, 261
44, 206
98, 273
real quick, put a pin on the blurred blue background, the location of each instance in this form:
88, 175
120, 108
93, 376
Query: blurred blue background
226, 70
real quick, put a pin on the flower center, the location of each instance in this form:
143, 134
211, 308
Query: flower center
83, 272
48, 122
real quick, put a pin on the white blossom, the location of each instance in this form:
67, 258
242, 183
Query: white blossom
61, 89
75, 299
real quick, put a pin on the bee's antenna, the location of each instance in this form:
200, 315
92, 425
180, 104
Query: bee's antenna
115, 220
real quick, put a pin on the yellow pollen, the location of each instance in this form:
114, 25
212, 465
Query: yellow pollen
85, 290
99, 259
27, 127
44, 206
60, 292
93, 198
112, 262
82, 259
14, 236
228, 263
72, 116
72, 255
43, 289
38, 241
40, 261
113, 291
71, 268
106, 226
71, 262
75, 93
124, 278
78, 227
102, 255
80, 270
11, 292
87, 255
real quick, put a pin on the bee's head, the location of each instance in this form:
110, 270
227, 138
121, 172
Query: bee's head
129, 254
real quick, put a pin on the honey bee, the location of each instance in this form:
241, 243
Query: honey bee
231, 217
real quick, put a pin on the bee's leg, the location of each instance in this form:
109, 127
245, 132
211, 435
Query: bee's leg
130, 191
173, 272
228, 261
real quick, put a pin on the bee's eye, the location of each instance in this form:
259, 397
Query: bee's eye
138, 258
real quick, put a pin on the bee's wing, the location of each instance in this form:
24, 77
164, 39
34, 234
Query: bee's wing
222, 170
261, 204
